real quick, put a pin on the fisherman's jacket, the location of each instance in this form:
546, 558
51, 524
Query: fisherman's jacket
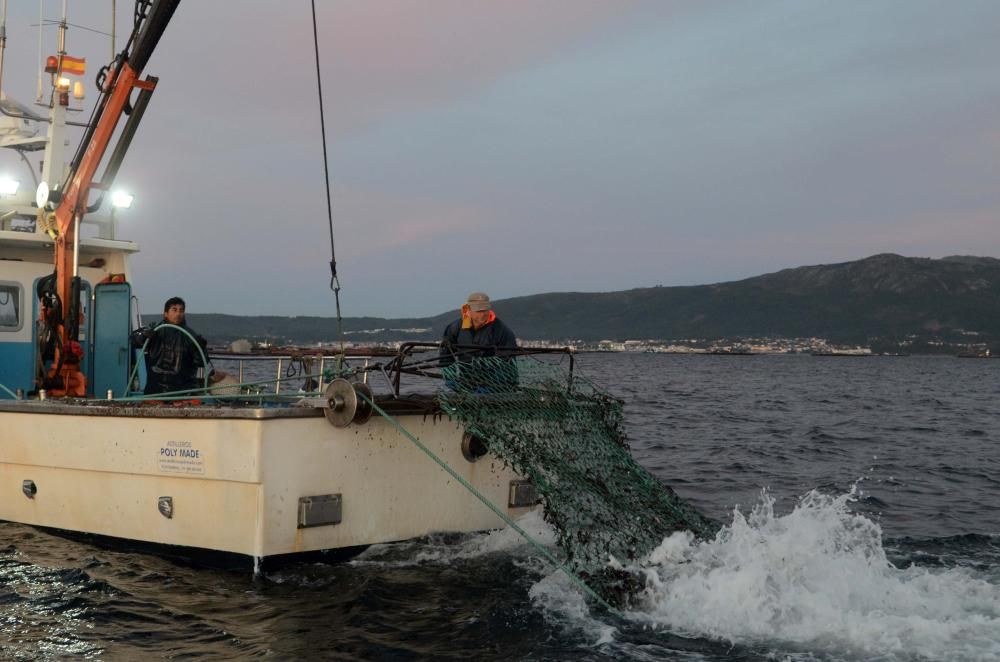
172, 360
491, 337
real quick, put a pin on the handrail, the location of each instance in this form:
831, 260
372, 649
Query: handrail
275, 357
286, 374
397, 366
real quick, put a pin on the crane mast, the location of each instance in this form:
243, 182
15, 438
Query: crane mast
70, 202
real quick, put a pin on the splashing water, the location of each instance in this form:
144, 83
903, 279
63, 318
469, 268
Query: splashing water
817, 577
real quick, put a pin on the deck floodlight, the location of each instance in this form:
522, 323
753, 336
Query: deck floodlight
121, 199
9, 186
78, 91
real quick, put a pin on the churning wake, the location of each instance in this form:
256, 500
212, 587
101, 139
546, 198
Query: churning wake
816, 579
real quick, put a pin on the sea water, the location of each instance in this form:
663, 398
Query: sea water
859, 498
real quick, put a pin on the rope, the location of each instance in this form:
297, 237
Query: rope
489, 504
9, 392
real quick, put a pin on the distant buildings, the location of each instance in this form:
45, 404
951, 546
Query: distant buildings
706, 346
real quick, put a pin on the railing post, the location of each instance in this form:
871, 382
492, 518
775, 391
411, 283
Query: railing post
277, 381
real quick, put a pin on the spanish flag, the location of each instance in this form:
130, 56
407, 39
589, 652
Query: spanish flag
75, 66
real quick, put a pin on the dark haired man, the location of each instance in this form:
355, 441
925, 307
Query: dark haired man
172, 359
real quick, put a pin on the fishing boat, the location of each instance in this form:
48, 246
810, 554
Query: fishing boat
254, 477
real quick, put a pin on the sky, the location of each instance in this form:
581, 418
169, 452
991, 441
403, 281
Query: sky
522, 147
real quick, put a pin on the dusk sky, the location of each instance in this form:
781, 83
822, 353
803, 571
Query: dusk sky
523, 147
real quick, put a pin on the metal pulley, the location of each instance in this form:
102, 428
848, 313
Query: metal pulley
347, 403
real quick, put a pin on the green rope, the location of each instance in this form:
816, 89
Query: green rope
489, 504
9, 392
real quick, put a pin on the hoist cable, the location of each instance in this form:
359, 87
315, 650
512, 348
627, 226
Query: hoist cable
334, 281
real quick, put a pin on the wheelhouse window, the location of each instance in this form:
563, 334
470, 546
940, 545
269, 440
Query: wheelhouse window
10, 307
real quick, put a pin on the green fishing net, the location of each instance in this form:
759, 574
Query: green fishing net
568, 437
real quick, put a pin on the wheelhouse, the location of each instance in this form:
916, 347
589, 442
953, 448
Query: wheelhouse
105, 309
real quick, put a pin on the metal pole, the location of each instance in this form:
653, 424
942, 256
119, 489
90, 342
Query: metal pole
114, 14
76, 245
277, 381
41, 66
3, 43
62, 36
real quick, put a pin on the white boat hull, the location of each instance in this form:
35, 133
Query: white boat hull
235, 477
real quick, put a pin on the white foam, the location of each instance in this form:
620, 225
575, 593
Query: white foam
558, 596
817, 577
436, 550
507, 539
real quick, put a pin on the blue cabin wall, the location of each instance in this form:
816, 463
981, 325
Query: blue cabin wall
17, 358
104, 335
16, 365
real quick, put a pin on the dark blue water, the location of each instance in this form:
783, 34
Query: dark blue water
867, 528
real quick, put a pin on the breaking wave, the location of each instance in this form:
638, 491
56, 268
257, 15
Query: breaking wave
815, 580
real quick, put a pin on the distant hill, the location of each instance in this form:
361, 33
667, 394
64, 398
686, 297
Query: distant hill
883, 296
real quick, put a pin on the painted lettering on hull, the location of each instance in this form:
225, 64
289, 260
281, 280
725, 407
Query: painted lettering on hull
181, 457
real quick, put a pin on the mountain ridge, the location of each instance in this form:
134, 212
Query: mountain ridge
881, 296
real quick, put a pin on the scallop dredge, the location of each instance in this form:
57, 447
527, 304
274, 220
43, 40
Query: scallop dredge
568, 437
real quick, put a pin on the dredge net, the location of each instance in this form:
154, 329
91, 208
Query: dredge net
568, 437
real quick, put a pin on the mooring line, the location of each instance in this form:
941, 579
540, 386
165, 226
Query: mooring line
489, 504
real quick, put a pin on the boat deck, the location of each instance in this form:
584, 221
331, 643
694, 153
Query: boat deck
252, 408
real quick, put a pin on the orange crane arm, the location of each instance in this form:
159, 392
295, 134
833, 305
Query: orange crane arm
71, 202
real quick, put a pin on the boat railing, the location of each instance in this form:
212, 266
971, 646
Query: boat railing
314, 371
295, 367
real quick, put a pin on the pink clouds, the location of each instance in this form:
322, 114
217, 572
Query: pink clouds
378, 58
381, 222
390, 57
